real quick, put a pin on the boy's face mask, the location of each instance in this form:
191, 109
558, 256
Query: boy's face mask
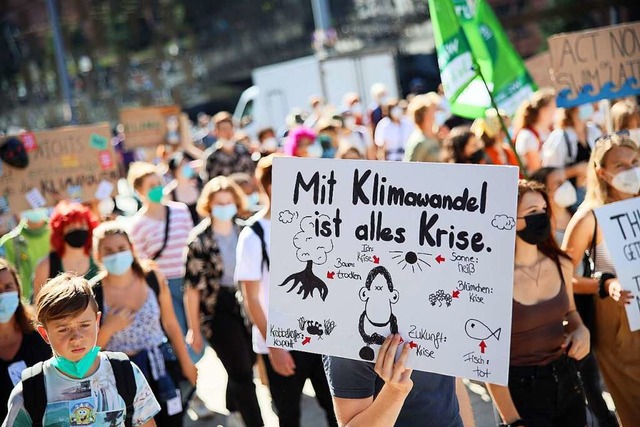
76, 369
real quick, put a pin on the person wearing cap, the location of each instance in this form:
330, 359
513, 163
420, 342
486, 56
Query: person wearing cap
26, 245
489, 130
423, 145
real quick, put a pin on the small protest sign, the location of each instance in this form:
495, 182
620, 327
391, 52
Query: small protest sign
620, 225
63, 163
604, 63
362, 249
147, 126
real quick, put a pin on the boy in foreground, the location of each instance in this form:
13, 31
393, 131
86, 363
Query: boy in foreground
82, 386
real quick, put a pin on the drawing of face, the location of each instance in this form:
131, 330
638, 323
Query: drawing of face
378, 295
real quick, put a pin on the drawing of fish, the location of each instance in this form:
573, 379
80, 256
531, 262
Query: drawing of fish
477, 330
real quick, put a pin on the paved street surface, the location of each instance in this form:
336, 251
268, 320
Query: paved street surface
211, 389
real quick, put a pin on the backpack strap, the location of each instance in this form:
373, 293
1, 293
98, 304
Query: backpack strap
152, 281
34, 393
125, 382
257, 228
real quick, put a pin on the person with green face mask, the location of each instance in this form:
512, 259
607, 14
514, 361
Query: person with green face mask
81, 384
160, 231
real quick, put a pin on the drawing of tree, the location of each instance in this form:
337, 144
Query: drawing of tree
312, 248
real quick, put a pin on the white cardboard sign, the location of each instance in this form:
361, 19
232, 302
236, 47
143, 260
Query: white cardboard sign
360, 249
620, 225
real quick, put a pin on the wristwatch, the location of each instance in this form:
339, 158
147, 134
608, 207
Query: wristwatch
517, 423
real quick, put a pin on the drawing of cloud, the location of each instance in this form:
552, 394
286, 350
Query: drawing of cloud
286, 216
503, 222
312, 247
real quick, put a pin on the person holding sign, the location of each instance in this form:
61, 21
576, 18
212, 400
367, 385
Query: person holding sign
544, 389
20, 345
613, 175
72, 227
287, 370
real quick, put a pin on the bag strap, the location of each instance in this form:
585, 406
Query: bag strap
166, 233
152, 281
257, 228
34, 393
125, 382
568, 144
592, 246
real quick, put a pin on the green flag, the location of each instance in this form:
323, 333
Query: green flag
467, 32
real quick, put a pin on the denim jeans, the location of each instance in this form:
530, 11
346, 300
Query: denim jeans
176, 286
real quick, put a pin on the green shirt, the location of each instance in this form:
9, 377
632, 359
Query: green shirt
24, 248
421, 148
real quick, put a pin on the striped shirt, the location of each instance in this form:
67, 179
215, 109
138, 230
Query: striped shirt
147, 235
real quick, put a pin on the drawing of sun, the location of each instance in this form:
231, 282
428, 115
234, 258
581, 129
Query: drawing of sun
411, 259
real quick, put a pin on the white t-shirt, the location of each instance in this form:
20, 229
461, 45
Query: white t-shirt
92, 401
555, 152
527, 142
393, 136
250, 267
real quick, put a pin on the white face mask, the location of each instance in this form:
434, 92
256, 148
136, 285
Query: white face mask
356, 108
350, 122
396, 112
441, 117
628, 181
634, 134
269, 144
565, 195
585, 112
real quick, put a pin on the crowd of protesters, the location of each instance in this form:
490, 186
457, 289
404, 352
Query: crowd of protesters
188, 268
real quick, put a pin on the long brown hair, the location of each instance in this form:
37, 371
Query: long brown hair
549, 247
24, 313
529, 110
114, 228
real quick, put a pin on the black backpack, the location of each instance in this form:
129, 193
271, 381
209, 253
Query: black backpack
35, 396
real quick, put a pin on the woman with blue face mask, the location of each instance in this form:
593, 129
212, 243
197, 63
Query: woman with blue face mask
20, 345
213, 312
138, 319
184, 186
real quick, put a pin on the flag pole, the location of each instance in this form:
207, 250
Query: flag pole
523, 170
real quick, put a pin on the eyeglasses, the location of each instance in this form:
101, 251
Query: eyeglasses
623, 132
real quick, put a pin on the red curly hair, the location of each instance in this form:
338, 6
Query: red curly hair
66, 213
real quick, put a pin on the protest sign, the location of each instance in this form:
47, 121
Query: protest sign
538, 67
147, 126
361, 249
587, 66
63, 163
620, 225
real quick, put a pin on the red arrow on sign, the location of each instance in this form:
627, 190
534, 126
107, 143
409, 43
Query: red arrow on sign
307, 340
440, 259
412, 345
455, 294
482, 346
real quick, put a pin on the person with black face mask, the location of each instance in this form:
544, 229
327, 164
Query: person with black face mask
543, 389
462, 146
72, 226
